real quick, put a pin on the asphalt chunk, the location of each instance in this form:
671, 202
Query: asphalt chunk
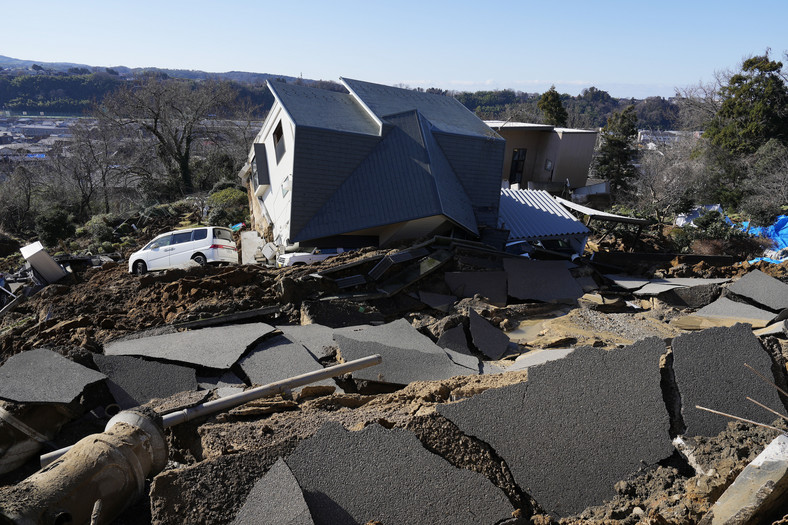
388, 476
43, 376
577, 426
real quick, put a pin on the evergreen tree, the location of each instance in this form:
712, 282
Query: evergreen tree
551, 107
614, 161
754, 108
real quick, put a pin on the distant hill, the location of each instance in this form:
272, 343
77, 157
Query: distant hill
244, 77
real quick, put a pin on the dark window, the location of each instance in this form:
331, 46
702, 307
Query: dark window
518, 166
260, 166
179, 238
279, 142
222, 233
164, 241
200, 234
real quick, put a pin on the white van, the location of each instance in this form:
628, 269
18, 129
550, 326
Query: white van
209, 244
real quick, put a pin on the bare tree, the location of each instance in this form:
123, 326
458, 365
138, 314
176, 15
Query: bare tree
668, 177
171, 111
699, 103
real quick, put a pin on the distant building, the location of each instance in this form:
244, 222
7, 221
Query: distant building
540, 156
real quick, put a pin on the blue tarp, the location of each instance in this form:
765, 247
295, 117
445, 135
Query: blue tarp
777, 232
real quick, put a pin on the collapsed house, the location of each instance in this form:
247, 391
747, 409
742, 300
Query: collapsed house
371, 167
544, 157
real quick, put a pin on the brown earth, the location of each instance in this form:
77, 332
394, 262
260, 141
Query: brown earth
216, 461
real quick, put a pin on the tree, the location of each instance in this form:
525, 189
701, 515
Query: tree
754, 108
614, 160
766, 187
668, 178
173, 113
551, 107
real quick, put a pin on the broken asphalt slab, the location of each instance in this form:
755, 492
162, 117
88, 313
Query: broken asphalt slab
43, 376
710, 372
491, 285
217, 347
577, 426
491, 341
134, 381
275, 499
546, 281
317, 338
280, 358
387, 476
402, 364
763, 289
725, 312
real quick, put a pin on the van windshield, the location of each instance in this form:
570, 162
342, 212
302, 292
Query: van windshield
222, 233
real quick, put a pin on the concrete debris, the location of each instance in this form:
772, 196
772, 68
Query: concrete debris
577, 426
134, 381
227, 379
659, 286
710, 372
724, 312
763, 289
758, 491
276, 499
547, 281
438, 301
402, 363
318, 339
538, 357
455, 339
491, 285
779, 328
490, 341
278, 358
43, 376
217, 347
387, 476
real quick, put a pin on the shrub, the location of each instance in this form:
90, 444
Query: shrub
99, 229
54, 224
228, 206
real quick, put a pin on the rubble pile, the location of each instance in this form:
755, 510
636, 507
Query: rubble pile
510, 390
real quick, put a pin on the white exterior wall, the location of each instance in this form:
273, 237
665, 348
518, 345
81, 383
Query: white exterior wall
276, 200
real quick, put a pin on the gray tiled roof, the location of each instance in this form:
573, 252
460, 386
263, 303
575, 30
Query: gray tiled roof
320, 108
405, 177
446, 113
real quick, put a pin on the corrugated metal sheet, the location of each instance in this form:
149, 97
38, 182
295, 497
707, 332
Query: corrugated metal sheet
535, 214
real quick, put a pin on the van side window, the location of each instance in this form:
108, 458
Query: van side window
164, 241
178, 238
222, 233
200, 234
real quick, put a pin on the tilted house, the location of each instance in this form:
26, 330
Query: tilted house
370, 167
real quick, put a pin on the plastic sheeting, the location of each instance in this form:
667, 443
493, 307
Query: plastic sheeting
777, 232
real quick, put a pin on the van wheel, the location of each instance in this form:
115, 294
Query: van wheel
140, 268
199, 259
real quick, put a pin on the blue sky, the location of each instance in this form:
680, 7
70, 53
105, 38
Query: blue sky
627, 48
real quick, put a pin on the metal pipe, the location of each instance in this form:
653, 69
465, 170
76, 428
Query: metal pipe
188, 414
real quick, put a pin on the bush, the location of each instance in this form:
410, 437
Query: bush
99, 229
53, 225
228, 206
711, 235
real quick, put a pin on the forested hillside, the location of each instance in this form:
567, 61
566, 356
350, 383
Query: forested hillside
72, 90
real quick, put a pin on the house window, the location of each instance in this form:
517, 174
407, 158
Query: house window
518, 166
279, 142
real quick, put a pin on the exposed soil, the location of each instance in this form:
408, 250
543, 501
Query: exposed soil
215, 462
